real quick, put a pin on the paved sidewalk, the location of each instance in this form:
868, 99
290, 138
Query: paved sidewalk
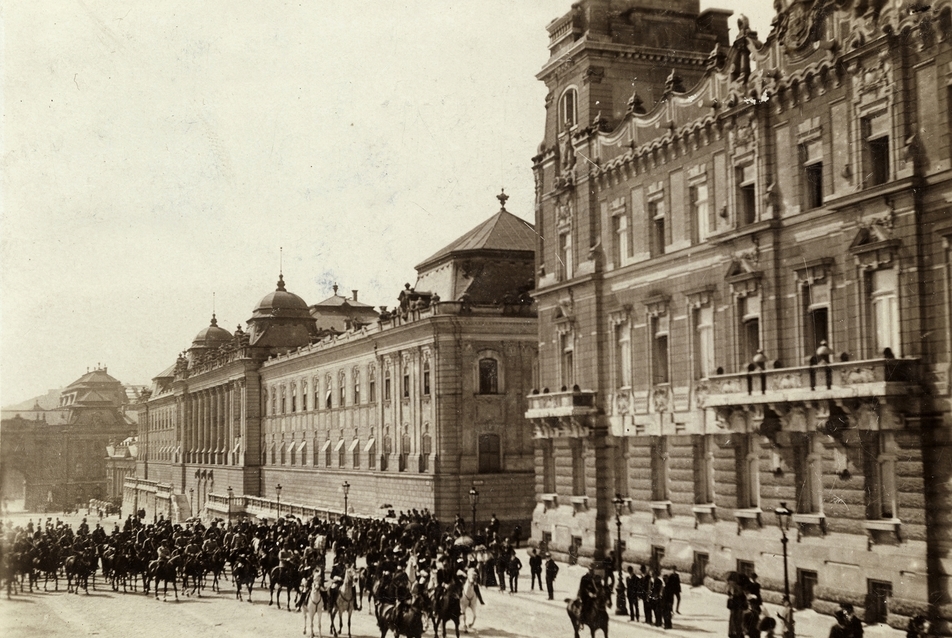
702, 611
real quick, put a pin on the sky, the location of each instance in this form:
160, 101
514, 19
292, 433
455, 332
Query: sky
161, 160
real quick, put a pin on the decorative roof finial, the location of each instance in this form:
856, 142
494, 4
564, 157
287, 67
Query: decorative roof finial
335, 289
281, 282
502, 197
214, 320
280, 260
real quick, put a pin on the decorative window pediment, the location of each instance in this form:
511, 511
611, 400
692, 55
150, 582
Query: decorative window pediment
657, 305
701, 298
743, 278
815, 271
873, 249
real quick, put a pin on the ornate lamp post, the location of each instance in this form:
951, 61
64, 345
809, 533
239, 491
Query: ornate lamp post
191, 502
620, 602
473, 499
277, 489
230, 494
783, 522
346, 488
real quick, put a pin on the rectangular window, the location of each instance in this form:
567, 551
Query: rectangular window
548, 467
386, 386
490, 454
356, 388
371, 455
622, 248
700, 205
656, 216
373, 389
426, 380
659, 350
880, 470
488, 376
343, 390
703, 470
659, 468
406, 384
746, 195
809, 475
875, 132
293, 400
747, 470
317, 395
816, 320
749, 328
565, 255
811, 173
703, 342
622, 355
568, 360
578, 468
883, 312
355, 453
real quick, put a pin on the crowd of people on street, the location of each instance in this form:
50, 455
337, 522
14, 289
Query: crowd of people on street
404, 559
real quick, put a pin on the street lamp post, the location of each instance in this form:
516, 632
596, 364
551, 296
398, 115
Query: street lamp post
191, 501
783, 522
346, 488
230, 493
620, 602
473, 500
277, 490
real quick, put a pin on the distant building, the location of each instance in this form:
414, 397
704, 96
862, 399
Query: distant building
412, 406
50, 458
743, 296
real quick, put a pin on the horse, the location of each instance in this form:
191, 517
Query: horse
78, 568
194, 568
244, 571
284, 577
595, 616
404, 618
468, 599
215, 564
165, 571
347, 601
446, 608
316, 603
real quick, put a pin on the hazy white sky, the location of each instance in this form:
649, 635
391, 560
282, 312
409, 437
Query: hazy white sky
155, 153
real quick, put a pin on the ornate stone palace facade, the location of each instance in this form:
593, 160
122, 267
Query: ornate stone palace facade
57, 456
411, 407
744, 296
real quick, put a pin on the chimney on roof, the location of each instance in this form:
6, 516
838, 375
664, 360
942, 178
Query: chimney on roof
355, 294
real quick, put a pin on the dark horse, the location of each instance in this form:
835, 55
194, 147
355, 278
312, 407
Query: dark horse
446, 608
404, 618
284, 577
165, 571
245, 571
595, 615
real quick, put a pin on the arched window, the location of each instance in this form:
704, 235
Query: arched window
372, 382
568, 109
294, 397
304, 396
328, 384
342, 388
356, 378
386, 384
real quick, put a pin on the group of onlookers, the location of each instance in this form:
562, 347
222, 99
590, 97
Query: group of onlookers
654, 592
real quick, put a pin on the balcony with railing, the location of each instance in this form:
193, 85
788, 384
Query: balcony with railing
564, 413
836, 381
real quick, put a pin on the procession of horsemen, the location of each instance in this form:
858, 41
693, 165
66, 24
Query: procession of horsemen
411, 570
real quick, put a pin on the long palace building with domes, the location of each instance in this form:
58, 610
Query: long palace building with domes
414, 407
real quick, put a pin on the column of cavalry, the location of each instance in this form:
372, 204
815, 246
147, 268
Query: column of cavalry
412, 572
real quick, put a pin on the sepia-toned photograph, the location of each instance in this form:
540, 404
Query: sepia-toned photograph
346, 317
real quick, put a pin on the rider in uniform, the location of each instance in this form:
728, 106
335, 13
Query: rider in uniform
588, 588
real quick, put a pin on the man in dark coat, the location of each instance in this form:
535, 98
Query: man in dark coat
633, 591
535, 569
551, 571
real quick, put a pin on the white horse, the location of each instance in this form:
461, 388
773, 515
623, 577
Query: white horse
315, 604
347, 601
468, 599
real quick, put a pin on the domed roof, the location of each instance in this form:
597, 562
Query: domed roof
212, 336
281, 303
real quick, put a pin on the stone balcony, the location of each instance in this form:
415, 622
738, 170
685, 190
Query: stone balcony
837, 381
569, 413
